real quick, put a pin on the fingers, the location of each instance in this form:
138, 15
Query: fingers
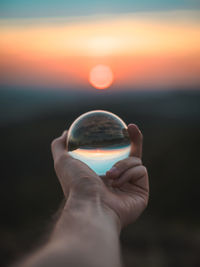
136, 140
58, 146
131, 175
121, 166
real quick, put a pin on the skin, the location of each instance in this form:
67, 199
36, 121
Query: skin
96, 208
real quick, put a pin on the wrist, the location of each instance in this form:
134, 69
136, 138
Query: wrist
91, 229
90, 209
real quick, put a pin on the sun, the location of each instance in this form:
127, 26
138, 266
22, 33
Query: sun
101, 76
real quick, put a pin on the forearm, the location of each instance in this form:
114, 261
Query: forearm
86, 234
92, 232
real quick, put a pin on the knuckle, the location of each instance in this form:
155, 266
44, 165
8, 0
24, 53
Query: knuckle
144, 170
138, 161
59, 160
128, 163
145, 203
122, 164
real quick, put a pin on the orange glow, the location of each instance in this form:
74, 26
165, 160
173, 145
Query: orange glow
101, 77
97, 153
157, 49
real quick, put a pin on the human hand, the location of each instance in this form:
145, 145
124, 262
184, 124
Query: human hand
128, 182
123, 190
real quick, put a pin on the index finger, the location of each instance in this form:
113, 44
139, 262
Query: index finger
136, 140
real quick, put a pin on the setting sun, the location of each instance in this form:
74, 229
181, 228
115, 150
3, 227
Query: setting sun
101, 76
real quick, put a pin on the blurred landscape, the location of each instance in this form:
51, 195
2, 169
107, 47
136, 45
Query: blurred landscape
168, 233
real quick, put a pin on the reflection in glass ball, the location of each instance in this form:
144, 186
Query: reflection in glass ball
99, 138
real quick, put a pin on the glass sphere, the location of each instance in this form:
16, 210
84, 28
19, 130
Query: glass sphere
99, 138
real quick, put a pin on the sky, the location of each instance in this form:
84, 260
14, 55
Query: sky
55, 44
48, 8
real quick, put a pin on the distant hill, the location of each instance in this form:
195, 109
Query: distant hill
20, 104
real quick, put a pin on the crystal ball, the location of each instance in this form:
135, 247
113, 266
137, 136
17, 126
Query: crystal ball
99, 139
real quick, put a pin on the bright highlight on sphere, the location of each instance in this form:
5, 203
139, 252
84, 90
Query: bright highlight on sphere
101, 76
99, 139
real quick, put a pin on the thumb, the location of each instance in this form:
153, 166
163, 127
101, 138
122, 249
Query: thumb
136, 140
58, 146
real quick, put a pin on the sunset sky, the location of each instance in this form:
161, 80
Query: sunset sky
56, 44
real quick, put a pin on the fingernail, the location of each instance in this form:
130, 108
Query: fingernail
113, 172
